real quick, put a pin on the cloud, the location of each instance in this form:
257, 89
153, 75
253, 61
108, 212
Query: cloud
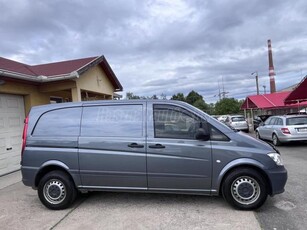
164, 46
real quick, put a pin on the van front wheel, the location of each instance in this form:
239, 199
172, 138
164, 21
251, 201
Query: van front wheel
56, 190
245, 189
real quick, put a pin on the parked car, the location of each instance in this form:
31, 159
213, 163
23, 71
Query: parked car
237, 122
145, 146
260, 119
222, 118
215, 117
282, 129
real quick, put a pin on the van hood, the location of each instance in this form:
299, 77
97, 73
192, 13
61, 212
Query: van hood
244, 140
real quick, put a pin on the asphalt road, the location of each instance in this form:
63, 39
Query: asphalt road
20, 207
289, 210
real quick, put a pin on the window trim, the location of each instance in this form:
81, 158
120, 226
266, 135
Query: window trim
211, 126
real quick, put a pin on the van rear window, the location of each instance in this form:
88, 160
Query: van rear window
60, 122
112, 121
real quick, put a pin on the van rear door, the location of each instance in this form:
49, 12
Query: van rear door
112, 146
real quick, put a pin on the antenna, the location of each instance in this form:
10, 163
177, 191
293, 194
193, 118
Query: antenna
222, 94
219, 90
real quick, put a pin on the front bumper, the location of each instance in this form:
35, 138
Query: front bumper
278, 178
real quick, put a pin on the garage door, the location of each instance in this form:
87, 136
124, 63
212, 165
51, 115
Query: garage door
11, 125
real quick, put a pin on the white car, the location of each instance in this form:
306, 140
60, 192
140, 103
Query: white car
237, 122
222, 118
281, 129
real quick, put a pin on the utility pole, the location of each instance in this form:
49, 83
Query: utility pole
264, 89
219, 90
222, 94
256, 72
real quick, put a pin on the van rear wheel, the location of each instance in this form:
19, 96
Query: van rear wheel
245, 189
56, 190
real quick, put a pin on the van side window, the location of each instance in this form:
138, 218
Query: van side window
112, 121
217, 135
174, 122
60, 122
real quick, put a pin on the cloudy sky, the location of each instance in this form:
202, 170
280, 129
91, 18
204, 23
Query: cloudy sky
165, 46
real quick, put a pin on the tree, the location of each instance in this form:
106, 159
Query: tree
211, 109
196, 100
227, 106
200, 103
178, 97
163, 96
192, 97
131, 96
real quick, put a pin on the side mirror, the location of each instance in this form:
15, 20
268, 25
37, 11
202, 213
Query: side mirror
202, 135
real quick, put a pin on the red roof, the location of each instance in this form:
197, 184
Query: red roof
63, 67
299, 94
15, 66
267, 101
51, 70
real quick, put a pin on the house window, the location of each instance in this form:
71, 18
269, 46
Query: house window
54, 100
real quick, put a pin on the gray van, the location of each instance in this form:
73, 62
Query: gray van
144, 145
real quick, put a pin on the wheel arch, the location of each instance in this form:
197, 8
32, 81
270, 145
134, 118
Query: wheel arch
243, 163
274, 133
49, 166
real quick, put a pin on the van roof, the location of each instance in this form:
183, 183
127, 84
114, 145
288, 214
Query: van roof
100, 102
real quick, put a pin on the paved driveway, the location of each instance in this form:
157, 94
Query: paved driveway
21, 209
289, 210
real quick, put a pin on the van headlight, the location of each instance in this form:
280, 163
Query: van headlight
276, 158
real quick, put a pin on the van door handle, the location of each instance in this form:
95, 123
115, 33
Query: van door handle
8, 149
157, 146
135, 145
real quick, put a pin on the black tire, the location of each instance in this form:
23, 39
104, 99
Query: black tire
56, 190
275, 140
258, 135
245, 189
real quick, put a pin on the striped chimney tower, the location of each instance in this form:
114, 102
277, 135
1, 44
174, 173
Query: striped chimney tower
271, 68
